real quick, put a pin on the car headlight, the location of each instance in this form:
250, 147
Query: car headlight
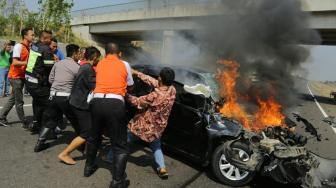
220, 122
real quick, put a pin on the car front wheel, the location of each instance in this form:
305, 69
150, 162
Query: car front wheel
226, 172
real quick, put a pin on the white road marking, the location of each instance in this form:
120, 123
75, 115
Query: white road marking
319, 106
25, 105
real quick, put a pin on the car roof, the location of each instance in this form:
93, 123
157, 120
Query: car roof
183, 75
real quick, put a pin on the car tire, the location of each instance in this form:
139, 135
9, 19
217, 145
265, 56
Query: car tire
227, 173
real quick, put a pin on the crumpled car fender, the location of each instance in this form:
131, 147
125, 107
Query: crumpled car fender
252, 165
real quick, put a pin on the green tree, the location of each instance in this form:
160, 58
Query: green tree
55, 15
31, 21
12, 12
3, 24
2, 4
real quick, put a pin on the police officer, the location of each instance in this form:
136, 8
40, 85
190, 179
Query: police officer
85, 82
61, 78
40, 62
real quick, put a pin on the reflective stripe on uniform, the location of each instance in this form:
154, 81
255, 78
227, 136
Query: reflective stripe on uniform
32, 60
32, 80
49, 62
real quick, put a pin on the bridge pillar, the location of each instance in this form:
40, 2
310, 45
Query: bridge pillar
167, 51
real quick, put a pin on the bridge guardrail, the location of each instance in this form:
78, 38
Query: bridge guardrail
135, 5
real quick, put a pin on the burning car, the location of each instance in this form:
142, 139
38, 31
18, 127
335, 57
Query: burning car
235, 153
195, 129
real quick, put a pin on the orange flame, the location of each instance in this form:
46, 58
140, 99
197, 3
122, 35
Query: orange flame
268, 113
231, 108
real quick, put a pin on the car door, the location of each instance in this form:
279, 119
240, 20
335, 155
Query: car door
185, 130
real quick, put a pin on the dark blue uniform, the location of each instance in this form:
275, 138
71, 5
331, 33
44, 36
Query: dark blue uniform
40, 63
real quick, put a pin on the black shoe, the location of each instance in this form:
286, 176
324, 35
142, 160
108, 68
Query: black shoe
3, 122
40, 146
119, 166
124, 183
90, 165
34, 127
89, 170
25, 125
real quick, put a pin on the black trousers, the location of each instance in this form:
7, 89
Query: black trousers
40, 95
109, 114
84, 121
58, 106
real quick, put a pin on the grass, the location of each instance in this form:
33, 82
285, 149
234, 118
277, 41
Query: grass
323, 89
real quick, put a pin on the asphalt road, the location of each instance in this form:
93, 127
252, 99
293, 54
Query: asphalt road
22, 168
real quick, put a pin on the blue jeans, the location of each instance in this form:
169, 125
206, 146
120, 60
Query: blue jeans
4, 81
155, 146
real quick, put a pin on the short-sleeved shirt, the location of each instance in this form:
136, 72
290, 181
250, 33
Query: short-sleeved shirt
130, 80
113, 76
4, 59
21, 52
63, 75
59, 54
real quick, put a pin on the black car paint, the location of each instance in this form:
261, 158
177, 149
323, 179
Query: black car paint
192, 129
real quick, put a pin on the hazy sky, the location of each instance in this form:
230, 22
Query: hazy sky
321, 65
81, 4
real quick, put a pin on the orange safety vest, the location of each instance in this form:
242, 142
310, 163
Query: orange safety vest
16, 72
111, 76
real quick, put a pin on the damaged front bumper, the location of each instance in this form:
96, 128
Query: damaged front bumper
283, 162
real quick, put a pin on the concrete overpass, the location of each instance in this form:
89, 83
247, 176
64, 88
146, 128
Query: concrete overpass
323, 18
128, 20
131, 21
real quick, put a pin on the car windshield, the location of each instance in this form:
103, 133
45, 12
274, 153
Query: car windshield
212, 82
189, 78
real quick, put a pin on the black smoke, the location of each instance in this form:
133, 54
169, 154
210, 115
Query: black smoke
266, 37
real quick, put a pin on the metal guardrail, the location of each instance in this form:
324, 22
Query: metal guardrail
135, 5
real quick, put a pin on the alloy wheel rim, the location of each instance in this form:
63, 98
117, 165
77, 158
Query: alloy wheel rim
231, 172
